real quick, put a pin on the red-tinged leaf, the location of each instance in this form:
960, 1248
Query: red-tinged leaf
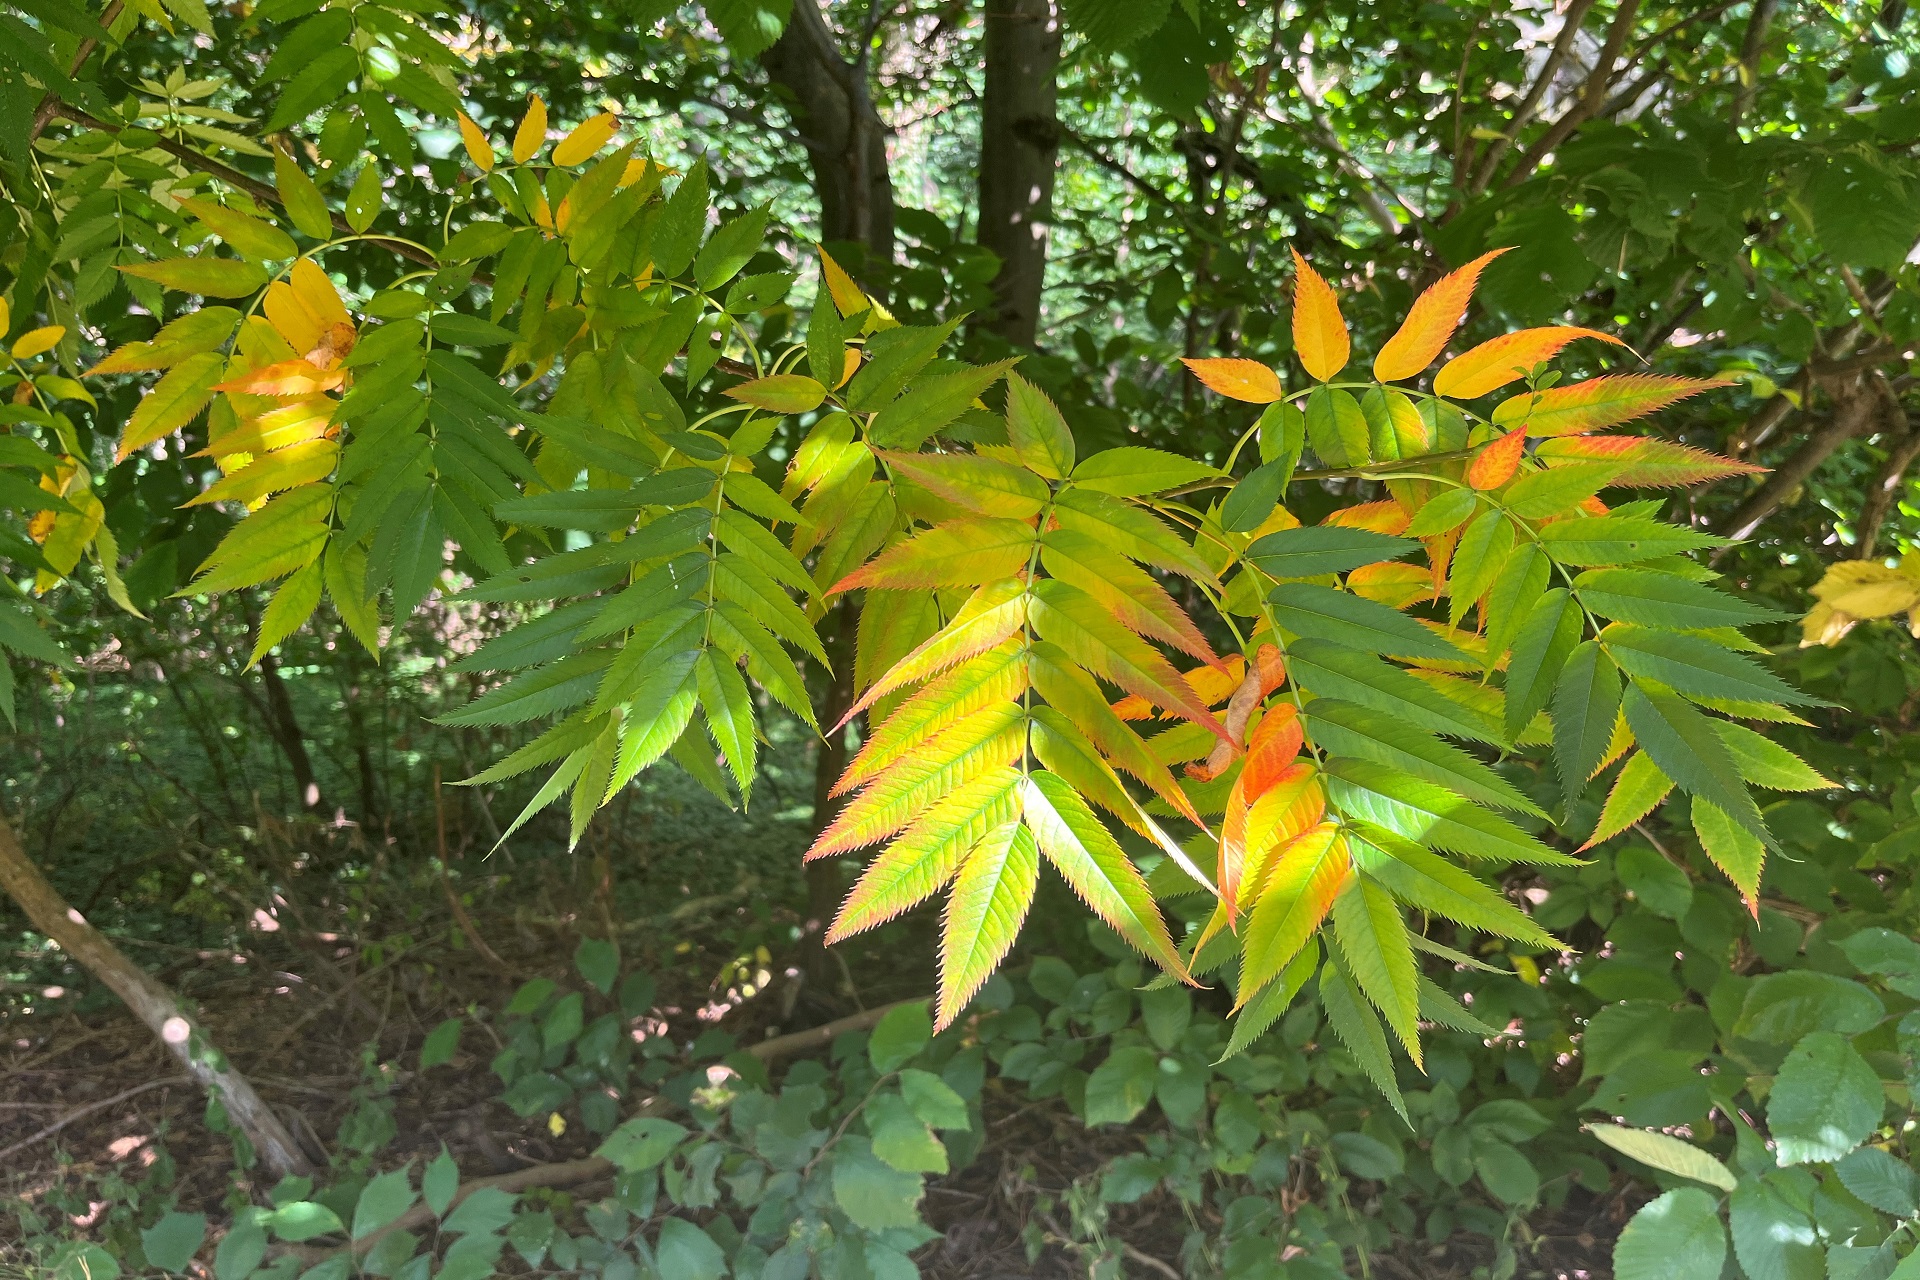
1640, 786
928, 853
997, 676
986, 740
1131, 594
1211, 685
1319, 334
1292, 806
1645, 464
286, 378
1075, 621
1096, 867
1237, 379
1306, 878
980, 484
993, 613
1378, 517
1233, 855
1435, 315
1497, 463
959, 553
1597, 403
1391, 583
1275, 744
1495, 363
989, 903
780, 393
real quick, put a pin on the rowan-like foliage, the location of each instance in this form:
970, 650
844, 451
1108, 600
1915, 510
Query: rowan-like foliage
570, 388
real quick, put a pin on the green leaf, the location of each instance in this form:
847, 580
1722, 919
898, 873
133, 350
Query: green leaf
1436, 885
1312, 550
1131, 472
902, 1139
729, 710
1477, 561
306, 207
1619, 539
1310, 610
1686, 747
1665, 1153
1345, 728
730, 248
1773, 1238
1443, 513
1354, 1023
1328, 670
1428, 814
1512, 597
1636, 791
1372, 937
686, 1252
990, 899
171, 1242
1783, 1008
1664, 600
1037, 432
980, 484
780, 393
441, 1043
875, 1196
1337, 428
1586, 706
303, 1220
598, 961
682, 221
1253, 499
900, 1036
1088, 858
931, 404
1557, 489
1765, 763
1826, 1100
1678, 1234
1697, 666
1733, 848
383, 1199
1878, 1178
641, 1143
1547, 639
1112, 25
892, 356
1121, 1087
933, 1100
1272, 1000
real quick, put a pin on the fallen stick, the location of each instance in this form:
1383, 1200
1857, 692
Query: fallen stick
88, 1110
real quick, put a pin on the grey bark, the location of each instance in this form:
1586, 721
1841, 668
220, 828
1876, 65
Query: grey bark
1019, 143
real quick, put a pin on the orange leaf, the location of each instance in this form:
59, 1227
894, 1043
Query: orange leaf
1319, 334
1495, 363
1435, 315
1597, 403
1380, 517
1293, 804
1236, 379
1496, 464
1212, 685
1276, 742
848, 298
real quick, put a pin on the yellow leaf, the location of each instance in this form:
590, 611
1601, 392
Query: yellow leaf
532, 131
1497, 362
317, 294
587, 138
6, 317
479, 150
34, 341
556, 1124
290, 318
1319, 334
174, 401
1236, 379
848, 297
1435, 315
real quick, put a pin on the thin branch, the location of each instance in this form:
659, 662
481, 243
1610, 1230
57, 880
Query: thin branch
44, 113
1892, 475
1119, 170
88, 1110
1593, 96
1536, 92
1751, 47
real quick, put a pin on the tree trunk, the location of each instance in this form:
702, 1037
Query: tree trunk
1853, 413
844, 136
1019, 138
152, 1003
